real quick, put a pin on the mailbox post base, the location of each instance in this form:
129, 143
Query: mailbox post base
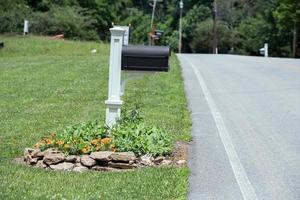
113, 111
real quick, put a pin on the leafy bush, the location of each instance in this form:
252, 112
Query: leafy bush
204, 29
129, 134
12, 21
70, 21
252, 33
79, 139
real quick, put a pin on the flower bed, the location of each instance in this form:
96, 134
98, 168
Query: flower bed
127, 145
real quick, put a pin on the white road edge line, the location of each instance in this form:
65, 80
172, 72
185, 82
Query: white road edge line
240, 174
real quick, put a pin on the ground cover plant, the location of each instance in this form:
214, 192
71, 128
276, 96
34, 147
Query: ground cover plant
130, 134
47, 85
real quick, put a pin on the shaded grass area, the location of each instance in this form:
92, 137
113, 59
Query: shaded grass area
46, 85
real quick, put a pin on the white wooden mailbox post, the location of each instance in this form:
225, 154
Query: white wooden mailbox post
113, 103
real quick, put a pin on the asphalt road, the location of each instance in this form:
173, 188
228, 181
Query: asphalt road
246, 126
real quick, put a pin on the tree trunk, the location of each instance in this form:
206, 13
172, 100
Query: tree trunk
295, 35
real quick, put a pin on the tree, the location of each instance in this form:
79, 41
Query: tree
251, 34
202, 37
193, 18
288, 18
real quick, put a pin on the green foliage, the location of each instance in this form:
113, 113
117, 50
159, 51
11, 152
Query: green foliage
195, 16
252, 33
173, 40
287, 16
69, 21
12, 5
11, 21
132, 134
139, 26
201, 44
288, 13
129, 134
78, 139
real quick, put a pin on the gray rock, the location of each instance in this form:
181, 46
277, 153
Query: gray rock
71, 159
40, 164
28, 151
50, 151
78, 159
104, 156
33, 161
158, 159
27, 154
78, 164
166, 162
63, 166
131, 162
40, 155
87, 161
54, 158
146, 160
104, 169
181, 162
123, 156
80, 169
36, 153
121, 165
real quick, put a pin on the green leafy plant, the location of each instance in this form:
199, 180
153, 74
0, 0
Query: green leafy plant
79, 139
132, 134
129, 134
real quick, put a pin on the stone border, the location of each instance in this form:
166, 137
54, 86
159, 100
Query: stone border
52, 159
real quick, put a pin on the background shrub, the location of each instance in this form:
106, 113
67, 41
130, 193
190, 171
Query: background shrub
69, 21
12, 21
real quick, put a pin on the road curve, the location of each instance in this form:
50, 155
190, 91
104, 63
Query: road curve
246, 126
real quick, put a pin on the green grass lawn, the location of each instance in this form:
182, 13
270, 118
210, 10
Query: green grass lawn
46, 85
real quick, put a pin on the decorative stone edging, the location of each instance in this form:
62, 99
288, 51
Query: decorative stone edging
52, 159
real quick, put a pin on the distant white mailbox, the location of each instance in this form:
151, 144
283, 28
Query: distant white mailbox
26, 27
264, 51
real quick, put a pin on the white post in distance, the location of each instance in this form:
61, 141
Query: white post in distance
114, 103
266, 50
180, 27
26, 27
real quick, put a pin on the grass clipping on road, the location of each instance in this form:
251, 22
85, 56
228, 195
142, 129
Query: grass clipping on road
46, 85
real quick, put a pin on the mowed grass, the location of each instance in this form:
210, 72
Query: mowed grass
46, 85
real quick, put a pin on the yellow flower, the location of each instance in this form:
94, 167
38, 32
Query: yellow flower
106, 141
66, 146
95, 142
86, 149
59, 142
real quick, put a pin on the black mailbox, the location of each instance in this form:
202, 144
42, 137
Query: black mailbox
148, 58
